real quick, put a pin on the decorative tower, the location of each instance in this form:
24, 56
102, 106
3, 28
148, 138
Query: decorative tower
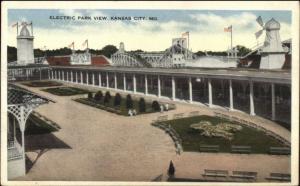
272, 53
25, 46
122, 47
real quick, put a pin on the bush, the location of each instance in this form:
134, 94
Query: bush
142, 105
118, 99
90, 95
129, 102
107, 97
98, 96
155, 106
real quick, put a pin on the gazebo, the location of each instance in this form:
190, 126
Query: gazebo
20, 103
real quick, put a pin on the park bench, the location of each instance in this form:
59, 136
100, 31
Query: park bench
280, 150
240, 149
209, 148
177, 116
244, 175
215, 173
279, 177
194, 113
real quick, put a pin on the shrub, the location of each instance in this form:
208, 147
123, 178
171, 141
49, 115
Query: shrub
142, 105
118, 99
98, 96
90, 95
129, 102
107, 97
171, 170
155, 106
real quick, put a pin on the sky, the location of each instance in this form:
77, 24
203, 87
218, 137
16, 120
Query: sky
206, 28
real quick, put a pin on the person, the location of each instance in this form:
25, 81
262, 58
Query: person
161, 108
167, 106
134, 112
130, 112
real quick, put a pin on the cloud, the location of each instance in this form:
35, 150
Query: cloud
206, 32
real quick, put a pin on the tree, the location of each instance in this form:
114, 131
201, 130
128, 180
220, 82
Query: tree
107, 97
242, 50
118, 99
171, 170
90, 95
98, 96
108, 50
142, 105
155, 106
129, 102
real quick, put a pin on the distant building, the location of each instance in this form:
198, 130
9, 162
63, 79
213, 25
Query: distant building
25, 47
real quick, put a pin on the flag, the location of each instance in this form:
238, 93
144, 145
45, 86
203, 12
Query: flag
85, 42
71, 45
228, 29
14, 24
185, 33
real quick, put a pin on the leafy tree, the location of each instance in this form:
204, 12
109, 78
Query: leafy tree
129, 102
155, 106
108, 50
142, 105
171, 170
98, 96
90, 95
118, 99
242, 50
107, 97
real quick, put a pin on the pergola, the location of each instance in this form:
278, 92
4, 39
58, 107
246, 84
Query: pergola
21, 103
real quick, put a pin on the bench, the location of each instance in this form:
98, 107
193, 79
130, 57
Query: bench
240, 149
280, 150
177, 116
215, 173
209, 148
279, 177
244, 175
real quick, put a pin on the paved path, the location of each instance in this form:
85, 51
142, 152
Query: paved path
97, 145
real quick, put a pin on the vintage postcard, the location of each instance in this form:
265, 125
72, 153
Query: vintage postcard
149, 93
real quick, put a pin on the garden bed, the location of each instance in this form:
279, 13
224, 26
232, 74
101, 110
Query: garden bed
241, 135
42, 84
66, 91
121, 108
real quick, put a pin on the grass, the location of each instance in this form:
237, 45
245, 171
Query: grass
65, 91
35, 125
42, 83
191, 138
122, 110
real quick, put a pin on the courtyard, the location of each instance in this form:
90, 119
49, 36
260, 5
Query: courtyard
95, 145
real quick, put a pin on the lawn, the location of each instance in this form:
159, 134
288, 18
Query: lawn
192, 138
66, 91
42, 84
122, 110
35, 125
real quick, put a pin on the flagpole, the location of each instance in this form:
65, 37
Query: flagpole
31, 29
231, 36
87, 44
17, 28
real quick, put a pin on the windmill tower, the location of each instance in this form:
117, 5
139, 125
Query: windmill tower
272, 52
25, 45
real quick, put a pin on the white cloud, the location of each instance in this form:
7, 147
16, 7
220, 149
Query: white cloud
208, 32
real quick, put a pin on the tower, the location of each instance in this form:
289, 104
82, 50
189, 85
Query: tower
272, 53
122, 47
25, 46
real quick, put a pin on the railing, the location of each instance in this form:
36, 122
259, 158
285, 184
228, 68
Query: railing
14, 150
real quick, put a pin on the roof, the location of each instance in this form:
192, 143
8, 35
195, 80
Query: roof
24, 31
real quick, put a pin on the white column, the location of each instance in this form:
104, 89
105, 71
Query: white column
134, 84
100, 82
93, 78
252, 110
158, 85
81, 77
59, 75
230, 95
146, 85
76, 77
26, 73
67, 76
87, 77
173, 88
107, 81
52, 75
190, 90
115, 78
124, 81
63, 75
49, 74
22, 128
55, 74
273, 102
209, 93
72, 76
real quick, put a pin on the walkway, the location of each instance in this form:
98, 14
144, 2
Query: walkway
97, 145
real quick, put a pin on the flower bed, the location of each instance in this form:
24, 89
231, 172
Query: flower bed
66, 91
42, 84
194, 132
